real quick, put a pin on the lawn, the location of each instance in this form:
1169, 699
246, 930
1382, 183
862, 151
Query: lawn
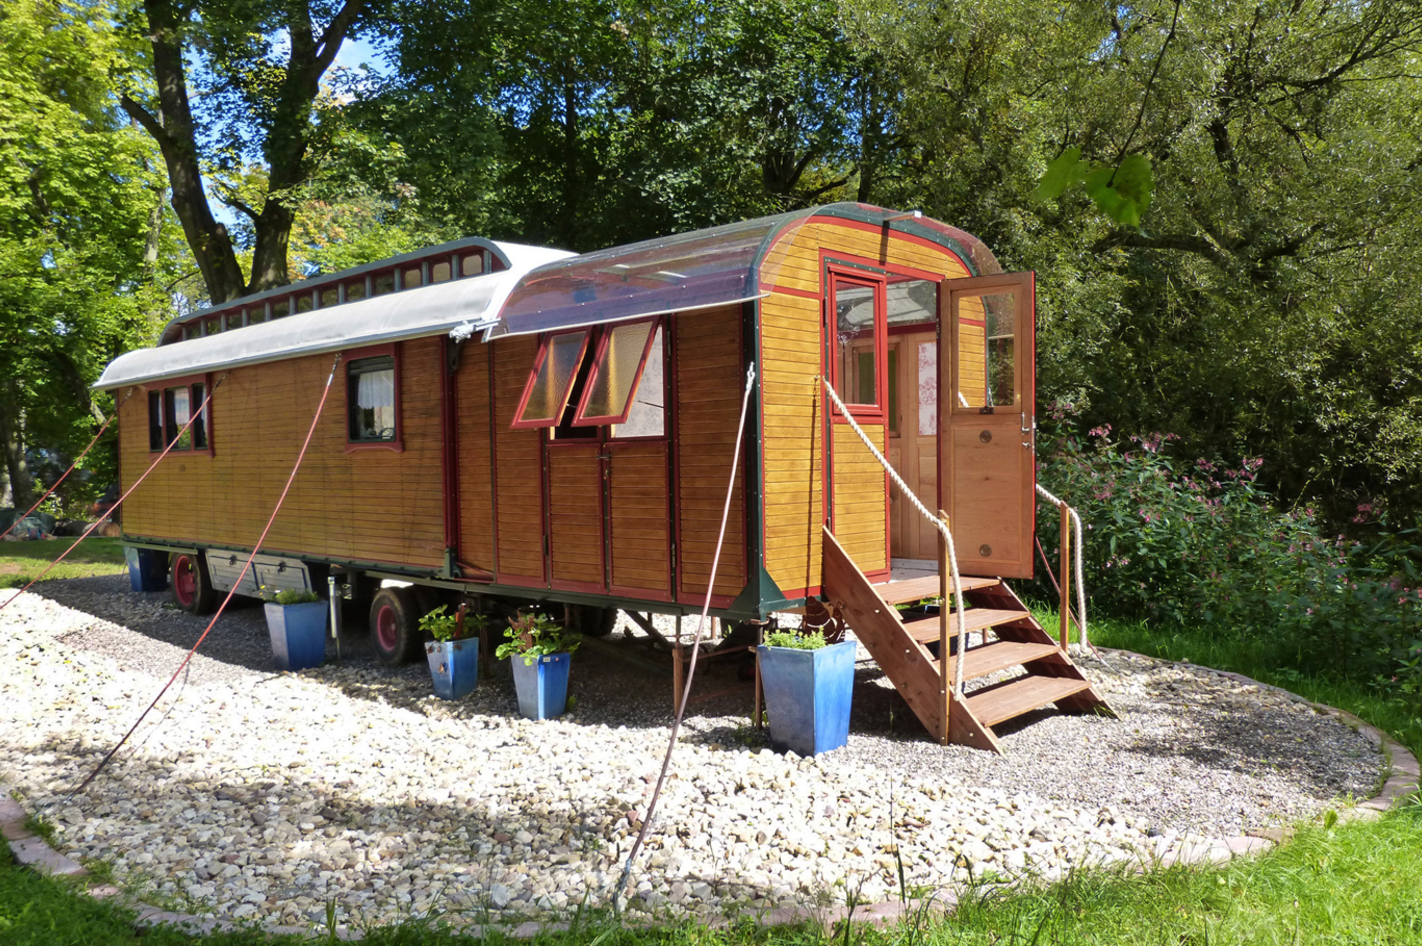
21, 562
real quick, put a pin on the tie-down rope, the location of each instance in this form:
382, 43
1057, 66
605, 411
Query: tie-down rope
235, 585
81, 456
1080, 569
166, 450
695, 647
938, 524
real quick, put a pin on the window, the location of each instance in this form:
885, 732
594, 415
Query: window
647, 418
281, 309
169, 412
382, 284
211, 326
192, 330
370, 384
303, 302
987, 335
621, 353
232, 320
330, 296
256, 314
440, 271
857, 306
411, 278
546, 394
355, 290
472, 264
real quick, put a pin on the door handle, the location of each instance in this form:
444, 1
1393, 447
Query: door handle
1029, 432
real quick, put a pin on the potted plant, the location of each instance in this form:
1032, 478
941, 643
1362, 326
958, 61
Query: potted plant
296, 621
540, 653
808, 686
453, 657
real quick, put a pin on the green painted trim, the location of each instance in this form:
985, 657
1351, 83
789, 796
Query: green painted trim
863, 213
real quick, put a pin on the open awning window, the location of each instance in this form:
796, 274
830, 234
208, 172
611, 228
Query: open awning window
555, 367
600, 368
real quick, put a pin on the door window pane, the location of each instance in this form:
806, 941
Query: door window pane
987, 350
648, 415
547, 390
856, 358
616, 372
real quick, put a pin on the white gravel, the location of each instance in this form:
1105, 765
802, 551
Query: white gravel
255, 795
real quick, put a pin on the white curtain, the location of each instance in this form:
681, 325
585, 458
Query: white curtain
376, 394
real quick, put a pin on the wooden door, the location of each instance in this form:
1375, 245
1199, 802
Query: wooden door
987, 462
639, 519
576, 519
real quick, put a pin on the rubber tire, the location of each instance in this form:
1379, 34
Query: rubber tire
593, 621
190, 583
395, 626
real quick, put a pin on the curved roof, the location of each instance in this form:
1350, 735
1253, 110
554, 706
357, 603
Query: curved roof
543, 290
432, 310
692, 270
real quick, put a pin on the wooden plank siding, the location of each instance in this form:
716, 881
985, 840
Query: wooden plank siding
371, 505
518, 463
639, 515
474, 418
709, 379
791, 345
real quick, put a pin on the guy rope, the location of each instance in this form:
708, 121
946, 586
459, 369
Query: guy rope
235, 585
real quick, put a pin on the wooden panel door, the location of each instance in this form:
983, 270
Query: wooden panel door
987, 462
639, 519
575, 516
913, 441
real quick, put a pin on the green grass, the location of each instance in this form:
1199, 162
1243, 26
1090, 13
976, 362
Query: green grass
22, 562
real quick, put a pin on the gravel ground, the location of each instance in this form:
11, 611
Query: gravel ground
258, 795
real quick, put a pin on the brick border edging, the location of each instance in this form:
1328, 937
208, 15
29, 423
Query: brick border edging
1403, 779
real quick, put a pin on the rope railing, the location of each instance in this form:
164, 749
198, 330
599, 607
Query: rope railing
1080, 568
938, 524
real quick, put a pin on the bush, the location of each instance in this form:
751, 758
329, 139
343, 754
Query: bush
1201, 545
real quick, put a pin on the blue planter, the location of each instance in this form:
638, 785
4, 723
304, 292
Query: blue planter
542, 686
807, 694
298, 634
454, 667
147, 569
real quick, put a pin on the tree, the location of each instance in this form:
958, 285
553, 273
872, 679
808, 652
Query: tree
259, 68
78, 234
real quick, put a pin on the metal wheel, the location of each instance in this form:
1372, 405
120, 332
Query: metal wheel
192, 588
395, 626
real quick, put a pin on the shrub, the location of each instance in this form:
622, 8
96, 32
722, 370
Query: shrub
1200, 544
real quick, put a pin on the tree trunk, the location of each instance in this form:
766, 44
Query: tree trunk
12, 443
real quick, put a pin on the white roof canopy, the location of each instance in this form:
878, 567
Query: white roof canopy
431, 310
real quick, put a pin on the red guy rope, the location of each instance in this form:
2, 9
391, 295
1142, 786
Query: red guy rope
72, 465
695, 646
196, 414
235, 585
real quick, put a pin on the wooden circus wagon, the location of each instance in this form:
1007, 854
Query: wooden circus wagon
508, 422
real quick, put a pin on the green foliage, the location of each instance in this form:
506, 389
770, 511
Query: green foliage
534, 635
1121, 192
812, 640
290, 596
1199, 545
443, 626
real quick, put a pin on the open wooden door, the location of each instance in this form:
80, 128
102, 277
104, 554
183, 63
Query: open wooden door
987, 450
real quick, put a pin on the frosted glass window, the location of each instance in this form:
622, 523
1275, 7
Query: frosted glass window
648, 416
471, 265
547, 391
371, 385
440, 272
616, 373
411, 278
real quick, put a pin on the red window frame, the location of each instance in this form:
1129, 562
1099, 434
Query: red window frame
391, 351
161, 388
581, 419
878, 411
538, 359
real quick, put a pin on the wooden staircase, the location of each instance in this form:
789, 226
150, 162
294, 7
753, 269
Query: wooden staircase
901, 650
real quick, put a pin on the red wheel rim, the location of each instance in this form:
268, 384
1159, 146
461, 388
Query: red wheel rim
385, 627
185, 581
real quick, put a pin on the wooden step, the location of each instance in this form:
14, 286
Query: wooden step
916, 589
975, 619
1011, 698
999, 655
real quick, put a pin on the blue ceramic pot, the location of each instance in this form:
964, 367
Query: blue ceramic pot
454, 667
542, 686
147, 569
807, 695
298, 634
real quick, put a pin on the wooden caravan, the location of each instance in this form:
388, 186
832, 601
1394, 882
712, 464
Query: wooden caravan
513, 423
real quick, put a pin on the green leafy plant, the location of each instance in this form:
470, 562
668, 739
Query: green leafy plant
812, 640
443, 626
290, 596
531, 636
